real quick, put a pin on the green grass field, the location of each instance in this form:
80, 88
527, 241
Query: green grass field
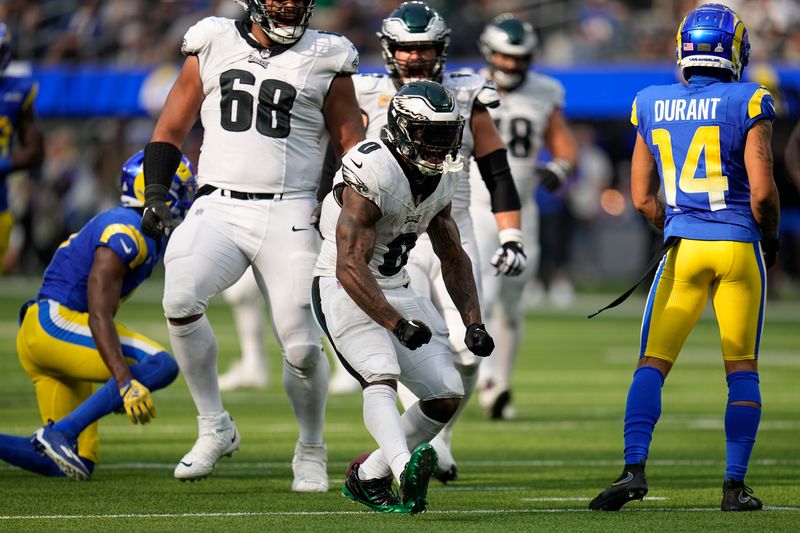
536, 472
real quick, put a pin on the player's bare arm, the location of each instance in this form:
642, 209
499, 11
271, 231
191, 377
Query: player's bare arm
456, 266
559, 139
104, 291
355, 243
30, 151
343, 117
763, 191
487, 141
645, 184
182, 105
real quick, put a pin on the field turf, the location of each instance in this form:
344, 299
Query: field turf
534, 473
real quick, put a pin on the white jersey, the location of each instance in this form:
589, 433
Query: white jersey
522, 120
372, 170
262, 111
375, 91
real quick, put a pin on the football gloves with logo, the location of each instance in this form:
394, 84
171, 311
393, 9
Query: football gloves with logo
554, 174
157, 218
478, 341
509, 259
137, 402
412, 333
316, 214
769, 248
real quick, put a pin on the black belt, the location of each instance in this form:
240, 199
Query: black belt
237, 195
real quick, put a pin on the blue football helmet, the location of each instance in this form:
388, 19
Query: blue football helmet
713, 36
181, 191
6, 47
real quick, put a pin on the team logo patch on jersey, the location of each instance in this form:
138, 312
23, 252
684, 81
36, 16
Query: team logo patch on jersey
353, 181
259, 59
412, 219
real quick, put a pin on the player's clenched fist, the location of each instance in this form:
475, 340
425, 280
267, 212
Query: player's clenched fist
478, 340
412, 333
137, 402
157, 218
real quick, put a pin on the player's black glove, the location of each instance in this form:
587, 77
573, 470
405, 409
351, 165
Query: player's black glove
412, 333
157, 218
509, 259
554, 174
769, 247
478, 341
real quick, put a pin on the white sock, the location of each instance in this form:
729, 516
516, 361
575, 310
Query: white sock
407, 398
307, 391
383, 422
195, 349
507, 334
419, 427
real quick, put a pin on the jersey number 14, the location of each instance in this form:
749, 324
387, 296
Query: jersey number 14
714, 184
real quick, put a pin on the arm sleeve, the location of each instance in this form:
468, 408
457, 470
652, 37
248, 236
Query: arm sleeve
496, 174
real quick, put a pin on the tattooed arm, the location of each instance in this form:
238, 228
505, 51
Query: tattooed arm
456, 266
355, 244
764, 199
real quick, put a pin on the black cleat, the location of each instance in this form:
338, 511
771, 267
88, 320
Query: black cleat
377, 494
446, 476
736, 496
497, 410
630, 485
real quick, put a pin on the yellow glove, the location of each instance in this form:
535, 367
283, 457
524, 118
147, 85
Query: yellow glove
137, 402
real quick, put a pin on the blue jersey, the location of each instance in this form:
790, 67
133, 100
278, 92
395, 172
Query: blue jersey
696, 133
16, 93
66, 277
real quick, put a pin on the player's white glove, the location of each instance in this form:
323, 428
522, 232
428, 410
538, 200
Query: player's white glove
554, 174
137, 402
510, 259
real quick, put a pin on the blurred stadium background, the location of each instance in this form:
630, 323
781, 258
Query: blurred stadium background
105, 67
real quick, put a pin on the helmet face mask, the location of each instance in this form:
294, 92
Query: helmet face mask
425, 127
414, 25
283, 22
508, 36
713, 36
181, 192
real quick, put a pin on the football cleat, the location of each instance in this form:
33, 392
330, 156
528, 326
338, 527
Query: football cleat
415, 478
446, 469
377, 494
496, 402
736, 496
242, 376
63, 452
446, 476
630, 485
309, 466
218, 437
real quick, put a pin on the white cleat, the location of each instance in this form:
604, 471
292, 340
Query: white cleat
310, 468
218, 437
446, 469
243, 376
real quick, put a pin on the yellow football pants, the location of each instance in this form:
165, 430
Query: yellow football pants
57, 351
6, 224
732, 273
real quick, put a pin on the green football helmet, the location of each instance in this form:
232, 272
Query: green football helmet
425, 127
508, 35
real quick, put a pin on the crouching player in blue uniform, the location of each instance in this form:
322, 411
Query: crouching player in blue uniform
68, 338
710, 139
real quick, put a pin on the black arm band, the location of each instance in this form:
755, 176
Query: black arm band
497, 176
161, 160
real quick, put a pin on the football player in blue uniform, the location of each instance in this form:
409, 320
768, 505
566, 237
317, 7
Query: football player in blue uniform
68, 337
17, 120
710, 141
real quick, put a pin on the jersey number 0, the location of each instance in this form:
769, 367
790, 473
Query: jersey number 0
275, 100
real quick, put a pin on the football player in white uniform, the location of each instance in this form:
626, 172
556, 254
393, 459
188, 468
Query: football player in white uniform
388, 193
530, 115
266, 90
415, 38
